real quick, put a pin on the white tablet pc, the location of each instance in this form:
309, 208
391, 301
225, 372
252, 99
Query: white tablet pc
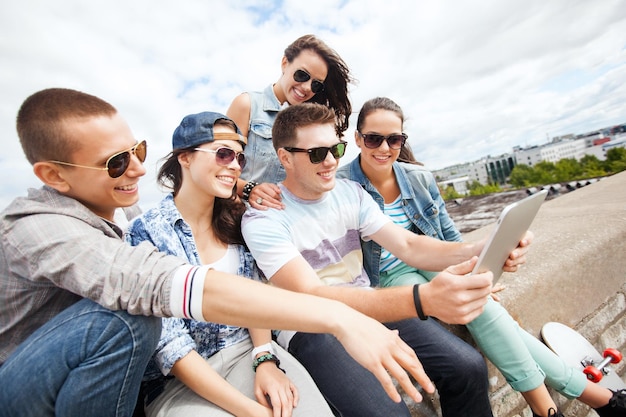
509, 230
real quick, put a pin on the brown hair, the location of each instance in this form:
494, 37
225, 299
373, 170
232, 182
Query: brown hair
41, 118
227, 212
335, 94
292, 118
384, 103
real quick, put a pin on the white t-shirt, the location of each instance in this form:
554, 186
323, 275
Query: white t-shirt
326, 232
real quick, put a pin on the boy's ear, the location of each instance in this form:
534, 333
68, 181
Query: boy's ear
50, 174
284, 157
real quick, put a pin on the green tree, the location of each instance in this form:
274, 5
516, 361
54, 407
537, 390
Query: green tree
567, 169
449, 193
544, 173
477, 188
615, 160
592, 167
521, 176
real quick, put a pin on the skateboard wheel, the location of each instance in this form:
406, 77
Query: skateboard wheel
593, 373
616, 355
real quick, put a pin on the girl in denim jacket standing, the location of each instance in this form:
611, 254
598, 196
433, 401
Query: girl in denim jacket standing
212, 369
311, 72
409, 194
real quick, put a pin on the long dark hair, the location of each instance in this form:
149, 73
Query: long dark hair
335, 94
227, 212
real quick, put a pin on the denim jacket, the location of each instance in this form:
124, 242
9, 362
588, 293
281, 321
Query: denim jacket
421, 201
262, 163
165, 228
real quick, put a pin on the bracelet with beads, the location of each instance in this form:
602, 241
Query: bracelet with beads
268, 357
247, 189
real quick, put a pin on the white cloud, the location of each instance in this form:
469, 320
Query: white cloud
474, 78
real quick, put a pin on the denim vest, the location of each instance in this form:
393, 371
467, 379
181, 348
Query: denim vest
421, 201
262, 163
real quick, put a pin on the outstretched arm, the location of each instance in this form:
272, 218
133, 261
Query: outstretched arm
239, 301
424, 252
450, 296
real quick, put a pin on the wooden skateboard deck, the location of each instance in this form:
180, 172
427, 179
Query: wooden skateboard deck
581, 354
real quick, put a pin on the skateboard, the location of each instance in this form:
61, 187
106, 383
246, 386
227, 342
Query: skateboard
576, 351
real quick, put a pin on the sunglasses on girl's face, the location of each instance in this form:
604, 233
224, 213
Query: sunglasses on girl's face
373, 140
118, 163
317, 155
302, 76
224, 156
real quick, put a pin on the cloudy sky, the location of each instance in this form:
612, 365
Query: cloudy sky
475, 77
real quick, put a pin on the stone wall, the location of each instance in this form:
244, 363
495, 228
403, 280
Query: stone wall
576, 275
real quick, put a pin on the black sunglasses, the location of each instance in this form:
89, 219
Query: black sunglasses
224, 156
373, 140
317, 155
118, 163
302, 76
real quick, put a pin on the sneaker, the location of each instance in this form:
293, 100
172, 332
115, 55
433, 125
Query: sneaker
551, 413
616, 406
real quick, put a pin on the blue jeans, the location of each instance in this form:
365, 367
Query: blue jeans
85, 361
458, 371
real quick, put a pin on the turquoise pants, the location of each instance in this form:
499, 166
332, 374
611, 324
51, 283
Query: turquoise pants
524, 361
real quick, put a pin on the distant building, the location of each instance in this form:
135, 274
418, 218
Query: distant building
551, 152
460, 184
600, 141
496, 170
472, 171
499, 169
618, 142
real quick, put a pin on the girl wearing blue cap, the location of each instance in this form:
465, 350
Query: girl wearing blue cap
211, 369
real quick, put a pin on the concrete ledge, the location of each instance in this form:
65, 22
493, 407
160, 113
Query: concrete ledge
576, 274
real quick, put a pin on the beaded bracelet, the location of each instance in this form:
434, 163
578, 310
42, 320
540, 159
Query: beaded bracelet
268, 357
247, 189
418, 302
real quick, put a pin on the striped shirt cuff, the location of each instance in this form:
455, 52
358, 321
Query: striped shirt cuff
187, 291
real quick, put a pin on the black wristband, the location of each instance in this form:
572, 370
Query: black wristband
418, 303
247, 189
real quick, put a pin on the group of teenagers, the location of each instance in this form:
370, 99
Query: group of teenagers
104, 308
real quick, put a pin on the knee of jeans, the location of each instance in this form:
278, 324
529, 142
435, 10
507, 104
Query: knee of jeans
472, 368
475, 366
151, 329
143, 329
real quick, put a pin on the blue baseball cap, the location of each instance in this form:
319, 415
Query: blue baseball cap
196, 129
